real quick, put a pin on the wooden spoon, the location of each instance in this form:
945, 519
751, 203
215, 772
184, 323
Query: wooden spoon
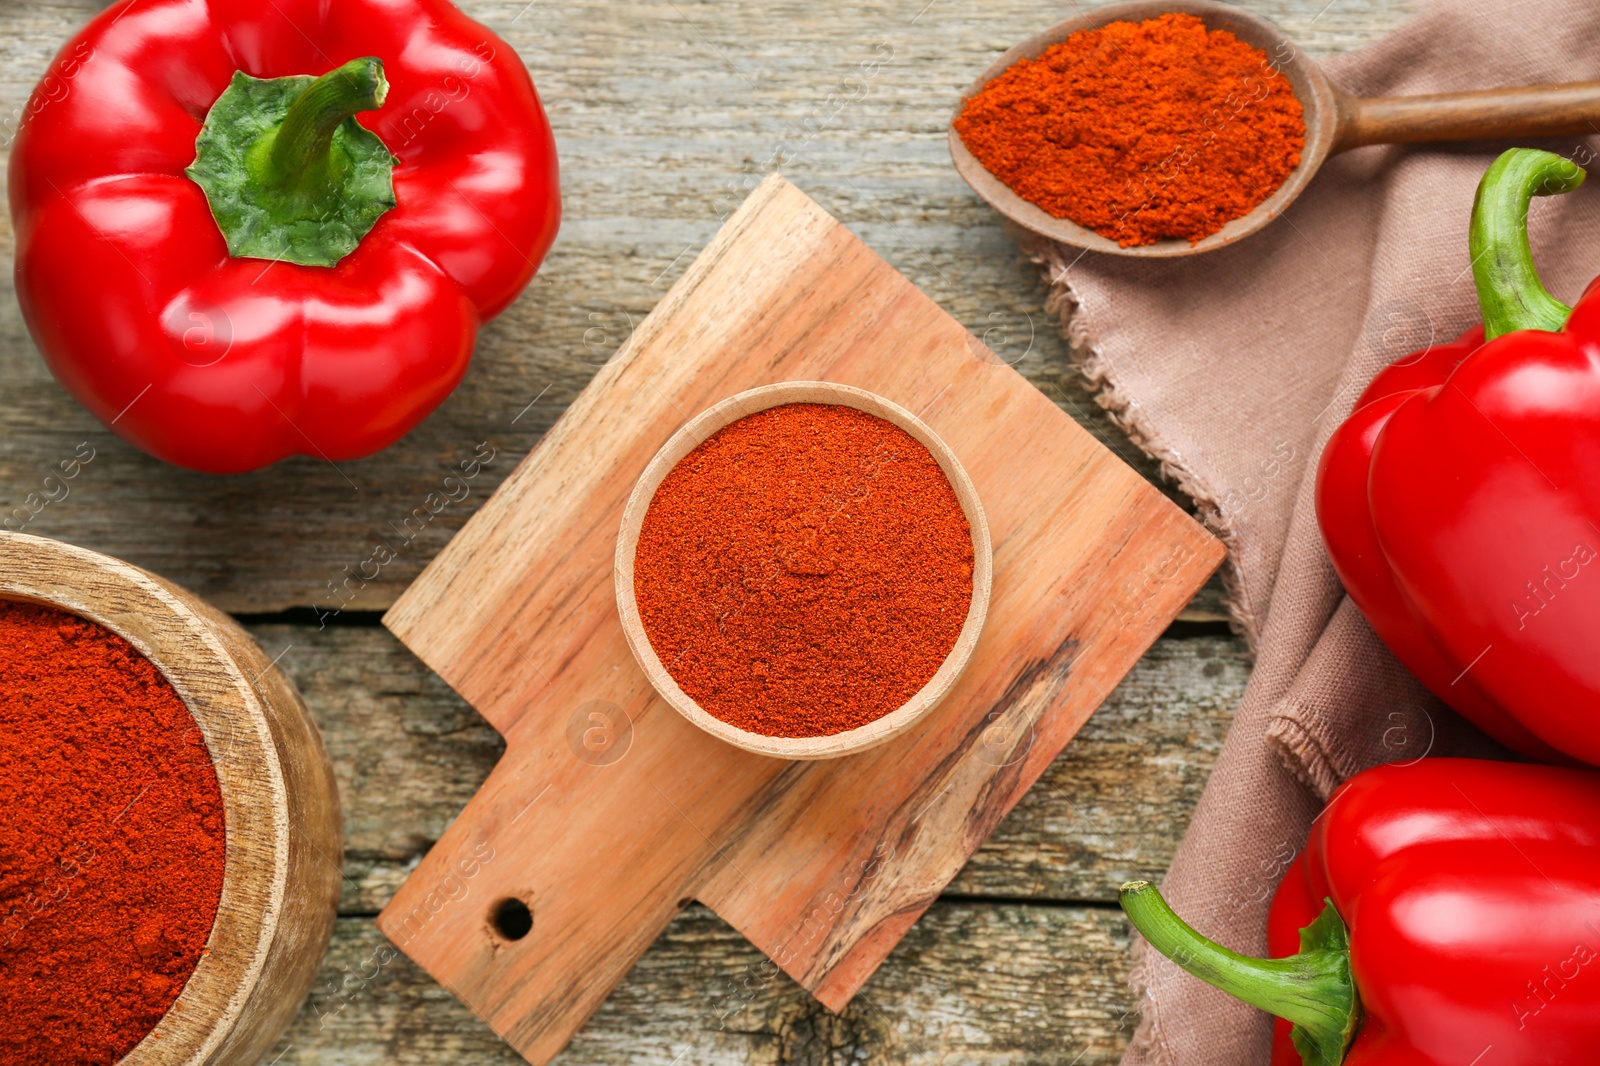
1335, 121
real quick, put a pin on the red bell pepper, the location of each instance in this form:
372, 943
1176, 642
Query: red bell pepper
1472, 895
1460, 501
227, 267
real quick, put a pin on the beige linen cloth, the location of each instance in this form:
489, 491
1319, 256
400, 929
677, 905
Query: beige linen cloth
1232, 369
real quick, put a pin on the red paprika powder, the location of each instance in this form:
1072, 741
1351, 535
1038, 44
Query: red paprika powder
804, 571
1140, 131
111, 841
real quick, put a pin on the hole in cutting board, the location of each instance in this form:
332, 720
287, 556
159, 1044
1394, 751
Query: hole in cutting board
511, 919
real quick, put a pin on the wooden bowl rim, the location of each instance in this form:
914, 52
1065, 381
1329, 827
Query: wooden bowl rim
690, 436
229, 714
1311, 87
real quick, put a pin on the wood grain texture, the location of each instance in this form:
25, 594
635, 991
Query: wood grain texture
976, 984
973, 981
280, 880
409, 753
823, 865
1526, 111
666, 114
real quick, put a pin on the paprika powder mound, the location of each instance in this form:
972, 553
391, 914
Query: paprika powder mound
1140, 131
804, 571
111, 841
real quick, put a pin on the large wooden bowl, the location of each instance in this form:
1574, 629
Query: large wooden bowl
687, 440
282, 861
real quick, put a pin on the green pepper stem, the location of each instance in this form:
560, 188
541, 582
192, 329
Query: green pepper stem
1312, 990
302, 143
1509, 289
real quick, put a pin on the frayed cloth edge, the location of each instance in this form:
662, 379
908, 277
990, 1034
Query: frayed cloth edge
1091, 361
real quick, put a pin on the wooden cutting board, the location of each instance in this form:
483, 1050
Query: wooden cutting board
609, 811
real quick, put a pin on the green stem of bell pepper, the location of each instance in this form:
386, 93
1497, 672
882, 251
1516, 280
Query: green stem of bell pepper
288, 171
301, 150
1312, 990
1509, 290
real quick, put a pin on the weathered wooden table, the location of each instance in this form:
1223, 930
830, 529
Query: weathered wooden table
667, 113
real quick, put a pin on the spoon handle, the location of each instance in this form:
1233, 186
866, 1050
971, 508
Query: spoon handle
1492, 114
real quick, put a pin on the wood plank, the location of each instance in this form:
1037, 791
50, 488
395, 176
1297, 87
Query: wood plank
409, 753
1114, 805
663, 126
1209, 604
823, 865
657, 133
976, 984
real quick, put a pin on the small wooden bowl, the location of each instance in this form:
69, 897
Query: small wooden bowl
690, 437
282, 861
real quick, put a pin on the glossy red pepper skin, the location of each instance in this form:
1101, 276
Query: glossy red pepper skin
1459, 504
225, 365
1472, 893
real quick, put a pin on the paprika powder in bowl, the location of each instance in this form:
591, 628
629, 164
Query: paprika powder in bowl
170, 847
803, 570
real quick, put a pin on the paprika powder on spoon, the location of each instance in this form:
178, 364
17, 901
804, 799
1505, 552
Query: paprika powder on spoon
1140, 131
